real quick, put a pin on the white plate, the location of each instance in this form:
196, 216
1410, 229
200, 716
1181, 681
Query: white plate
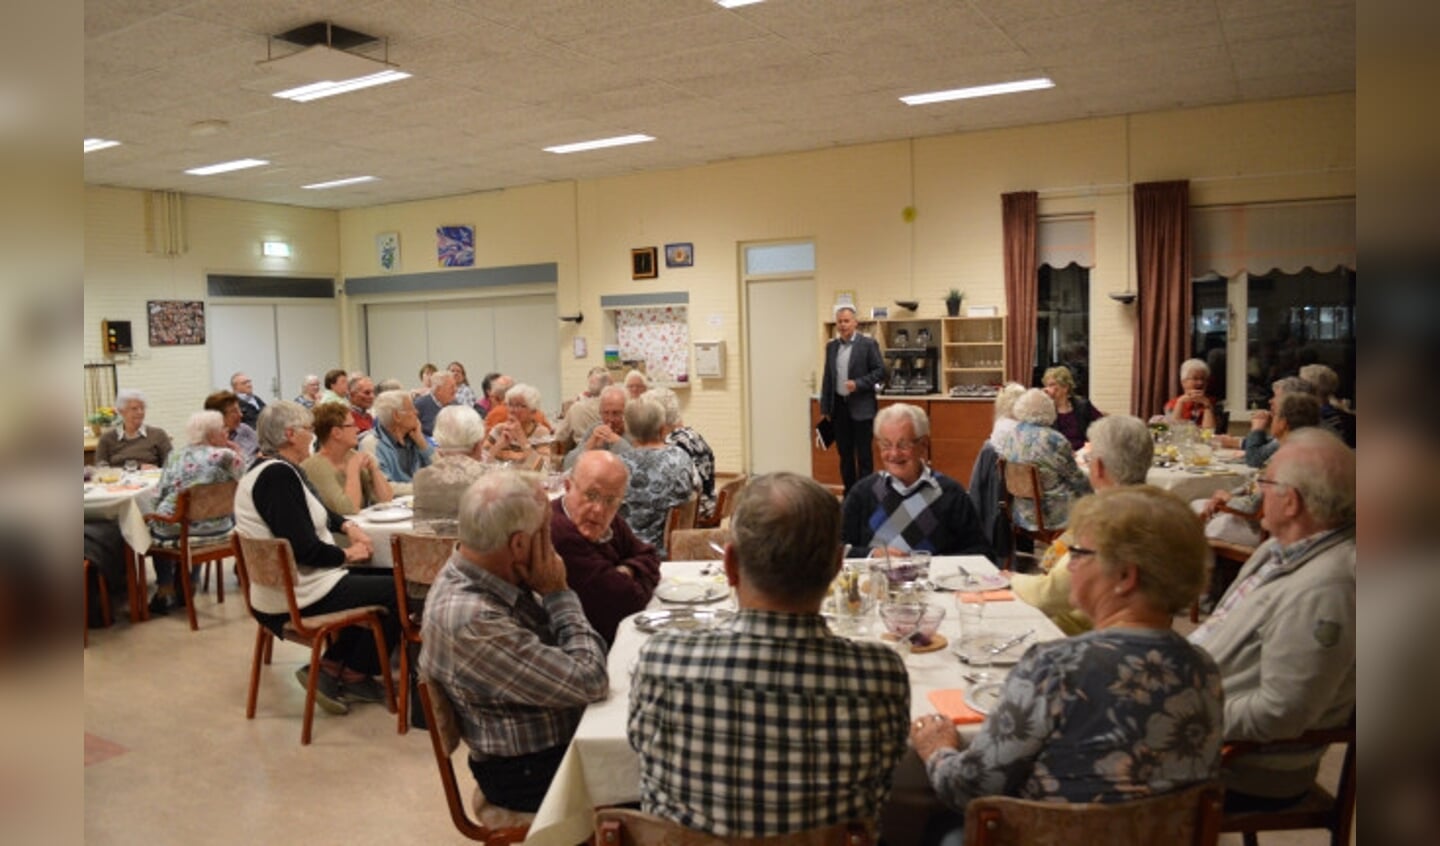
387, 515
962, 648
681, 618
983, 581
983, 698
691, 591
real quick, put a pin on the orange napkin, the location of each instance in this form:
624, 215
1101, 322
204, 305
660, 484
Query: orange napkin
1004, 595
951, 703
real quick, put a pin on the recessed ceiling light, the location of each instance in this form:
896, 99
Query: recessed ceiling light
329, 88
93, 144
336, 183
600, 143
223, 167
730, 4
978, 91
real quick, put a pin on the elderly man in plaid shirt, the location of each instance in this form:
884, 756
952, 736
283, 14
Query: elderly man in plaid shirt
771, 725
520, 671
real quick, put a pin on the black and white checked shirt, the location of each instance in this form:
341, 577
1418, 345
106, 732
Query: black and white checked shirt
769, 726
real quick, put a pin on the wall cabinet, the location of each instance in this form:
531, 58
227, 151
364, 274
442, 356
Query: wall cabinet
950, 356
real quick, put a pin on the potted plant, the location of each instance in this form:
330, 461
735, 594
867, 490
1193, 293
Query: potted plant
952, 302
102, 417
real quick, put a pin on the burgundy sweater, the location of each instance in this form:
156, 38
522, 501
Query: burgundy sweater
607, 594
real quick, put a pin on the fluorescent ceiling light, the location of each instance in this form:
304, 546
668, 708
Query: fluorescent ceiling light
275, 249
978, 91
730, 4
336, 183
329, 88
599, 143
224, 167
93, 144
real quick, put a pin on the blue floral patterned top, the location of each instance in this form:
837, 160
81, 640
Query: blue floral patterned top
659, 480
1104, 716
1060, 477
196, 464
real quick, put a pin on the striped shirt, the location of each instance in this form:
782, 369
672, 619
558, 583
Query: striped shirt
520, 673
770, 726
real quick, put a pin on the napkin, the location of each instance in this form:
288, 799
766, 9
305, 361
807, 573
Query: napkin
951, 703
986, 596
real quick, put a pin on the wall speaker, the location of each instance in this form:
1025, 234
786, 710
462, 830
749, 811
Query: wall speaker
116, 335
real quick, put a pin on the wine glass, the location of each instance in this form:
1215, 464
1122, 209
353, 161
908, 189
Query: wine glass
131, 467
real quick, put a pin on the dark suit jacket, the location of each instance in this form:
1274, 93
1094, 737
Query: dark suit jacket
250, 413
867, 368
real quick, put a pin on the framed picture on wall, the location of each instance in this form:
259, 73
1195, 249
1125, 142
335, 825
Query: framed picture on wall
455, 246
679, 255
644, 263
176, 323
387, 250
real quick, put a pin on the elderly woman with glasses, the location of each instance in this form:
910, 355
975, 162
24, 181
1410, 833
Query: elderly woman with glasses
131, 439
273, 501
1125, 711
521, 439
346, 479
1193, 404
907, 505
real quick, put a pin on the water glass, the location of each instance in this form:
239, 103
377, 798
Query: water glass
852, 598
132, 467
975, 639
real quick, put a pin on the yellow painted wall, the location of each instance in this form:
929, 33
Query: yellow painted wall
224, 237
850, 201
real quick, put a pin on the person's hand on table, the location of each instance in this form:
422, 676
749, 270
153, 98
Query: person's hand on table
931, 733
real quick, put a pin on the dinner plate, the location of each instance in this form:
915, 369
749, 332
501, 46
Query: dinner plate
388, 514
963, 648
681, 619
983, 698
691, 591
982, 582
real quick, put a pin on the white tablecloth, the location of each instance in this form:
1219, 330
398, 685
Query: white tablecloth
600, 768
126, 504
1191, 484
382, 530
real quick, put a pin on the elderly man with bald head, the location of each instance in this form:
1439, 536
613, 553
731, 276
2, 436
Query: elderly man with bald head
613, 571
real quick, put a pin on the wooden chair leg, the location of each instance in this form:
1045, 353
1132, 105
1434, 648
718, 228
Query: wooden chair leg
269, 648
310, 692
107, 616
384, 660
187, 591
135, 585
263, 640
219, 565
403, 726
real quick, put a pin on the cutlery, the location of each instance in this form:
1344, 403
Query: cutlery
719, 550
1006, 644
969, 577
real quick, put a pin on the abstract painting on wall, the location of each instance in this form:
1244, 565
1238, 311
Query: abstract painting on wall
455, 246
387, 248
175, 323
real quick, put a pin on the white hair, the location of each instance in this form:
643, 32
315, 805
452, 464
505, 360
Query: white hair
919, 421
458, 428
1125, 445
1321, 468
202, 424
668, 401
1193, 365
1005, 400
1034, 406
125, 395
387, 404
276, 419
528, 395
496, 506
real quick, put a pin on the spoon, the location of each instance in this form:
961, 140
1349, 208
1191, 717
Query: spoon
1006, 644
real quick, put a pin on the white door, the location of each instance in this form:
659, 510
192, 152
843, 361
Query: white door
242, 337
275, 344
782, 373
395, 342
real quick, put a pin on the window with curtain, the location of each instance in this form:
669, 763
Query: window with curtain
1062, 323
1289, 269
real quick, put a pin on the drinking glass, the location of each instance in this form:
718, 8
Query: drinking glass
901, 620
852, 599
131, 467
975, 639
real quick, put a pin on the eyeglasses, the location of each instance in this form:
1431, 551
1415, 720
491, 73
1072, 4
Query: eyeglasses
897, 446
597, 498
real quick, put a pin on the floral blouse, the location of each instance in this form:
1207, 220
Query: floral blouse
702, 459
1061, 478
1104, 716
196, 464
659, 480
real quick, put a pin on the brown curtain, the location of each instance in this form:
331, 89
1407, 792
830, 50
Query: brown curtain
1020, 214
1162, 259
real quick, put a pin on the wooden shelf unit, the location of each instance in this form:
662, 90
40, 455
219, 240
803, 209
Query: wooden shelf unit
971, 349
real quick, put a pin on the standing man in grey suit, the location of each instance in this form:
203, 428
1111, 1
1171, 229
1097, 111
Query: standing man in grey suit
853, 367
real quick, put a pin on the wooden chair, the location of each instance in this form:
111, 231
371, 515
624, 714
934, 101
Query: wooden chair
623, 827
1190, 816
694, 544
724, 503
1022, 481
269, 562
199, 502
104, 599
1320, 808
496, 826
681, 516
418, 559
